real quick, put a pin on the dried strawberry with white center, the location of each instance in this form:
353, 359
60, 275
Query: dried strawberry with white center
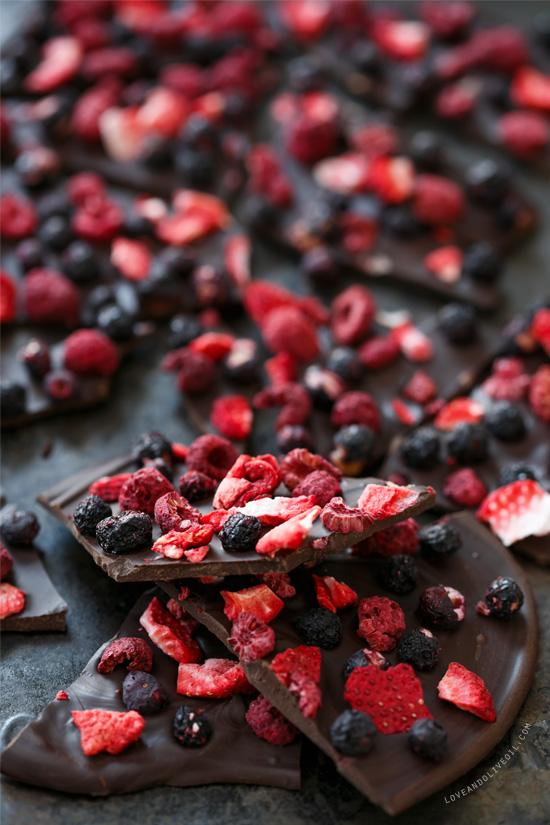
347, 173
290, 535
12, 600
391, 178
61, 61
237, 251
131, 258
414, 344
215, 679
273, 511
402, 39
530, 88
306, 19
459, 411
260, 600
445, 263
467, 691
516, 511
379, 501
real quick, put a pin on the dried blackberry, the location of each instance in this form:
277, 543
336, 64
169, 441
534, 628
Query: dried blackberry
35, 355
191, 727
183, 330
89, 512
240, 533
505, 422
467, 443
320, 627
18, 526
441, 607
487, 182
420, 649
502, 599
458, 323
126, 533
13, 398
144, 693
353, 733
345, 362
196, 486
399, 574
515, 471
421, 448
428, 738
152, 445
481, 262
439, 540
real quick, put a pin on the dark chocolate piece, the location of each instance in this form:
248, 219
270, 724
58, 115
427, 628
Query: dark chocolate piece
44, 608
47, 752
62, 500
390, 775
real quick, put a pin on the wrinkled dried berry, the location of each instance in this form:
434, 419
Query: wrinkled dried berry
18, 526
438, 541
79, 262
323, 386
135, 651
399, 574
354, 445
126, 533
251, 638
420, 649
293, 437
144, 693
268, 723
502, 599
442, 607
363, 658
467, 443
191, 727
89, 512
421, 449
320, 484
458, 323
481, 263
183, 330
428, 738
345, 362
319, 627
353, 733
196, 486
213, 455
515, 471
242, 364
13, 398
505, 422
152, 445
487, 181
240, 533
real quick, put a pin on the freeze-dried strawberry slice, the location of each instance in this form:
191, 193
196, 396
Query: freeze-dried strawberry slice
459, 411
7, 298
347, 173
196, 554
392, 698
237, 251
168, 634
467, 691
185, 200
516, 511
61, 58
339, 518
87, 111
540, 328
306, 19
131, 258
135, 651
288, 536
391, 178
232, 416
381, 622
414, 344
379, 501
175, 544
332, 594
121, 136
183, 228
445, 263
298, 463
215, 679
274, 511
108, 487
401, 39
404, 412
107, 730
12, 600
530, 88
260, 600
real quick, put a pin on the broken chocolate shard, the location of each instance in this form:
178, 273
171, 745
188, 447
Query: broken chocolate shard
44, 608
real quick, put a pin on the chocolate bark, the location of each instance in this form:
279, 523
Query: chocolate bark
63, 499
47, 752
502, 653
44, 608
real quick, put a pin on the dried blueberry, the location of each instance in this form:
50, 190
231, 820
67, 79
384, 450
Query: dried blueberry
56, 233
363, 658
126, 533
467, 443
138, 226
319, 626
35, 355
420, 649
441, 607
354, 444
191, 727
152, 445
195, 167
79, 262
427, 150
291, 437
60, 384
242, 364
144, 693
421, 448
345, 362
399, 221
438, 541
353, 733
183, 330
502, 599
115, 322
30, 253
487, 181
89, 512
505, 422
399, 574
13, 398
481, 262
159, 464
260, 214
18, 526
196, 486
458, 323
428, 738
177, 262
240, 533
320, 265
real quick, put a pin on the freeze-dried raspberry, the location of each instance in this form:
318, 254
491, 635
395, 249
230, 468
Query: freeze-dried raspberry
191, 543
107, 730
8, 307
279, 583
294, 400
508, 382
249, 478
232, 416
539, 393
62, 695
262, 297
143, 489
381, 622
465, 488
99, 219
135, 651
196, 486
356, 407
378, 352
524, 133
288, 329
90, 352
251, 638
324, 486
266, 176
269, 724
108, 487
420, 388
173, 512
12, 600
196, 372
17, 216
212, 455
299, 463
339, 518
353, 314
401, 538
6, 562
50, 298
85, 185
309, 140
437, 200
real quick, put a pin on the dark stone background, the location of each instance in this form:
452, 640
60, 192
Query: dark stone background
36, 666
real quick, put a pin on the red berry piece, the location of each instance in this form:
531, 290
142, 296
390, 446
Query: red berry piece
281, 369
173, 512
445, 263
465, 488
320, 484
258, 600
355, 407
459, 411
107, 730
101, 62
215, 679
196, 486
401, 39
266, 176
262, 297
108, 487
212, 455
290, 535
539, 393
413, 343
305, 19
288, 329
191, 543
392, 698
251, 638
17, 216
358, 233
299, 669
99, 219
8, 306
404, 412
447, 20
237, 252
90, 352
85, 185
524, 133
196, 372
516, 511
294, 400
279, 583
269, 724
6, 562
12, 600
61, 60
437, 200
142, 490
420, 388
530, 89
232, 416
339, 518
391, 178
332, 594
353, 314
273, 511
136, 652
378, 501
381, 622
299, 463
508, 381
375, 140
379, 352
467, 691
61, 695
168, 634
456, 100
399, 539
540, 328
131, 258
51, 298
348, 173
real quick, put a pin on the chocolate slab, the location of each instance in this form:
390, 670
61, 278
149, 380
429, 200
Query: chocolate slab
63, 499
47, 752
503, 653
44, 608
